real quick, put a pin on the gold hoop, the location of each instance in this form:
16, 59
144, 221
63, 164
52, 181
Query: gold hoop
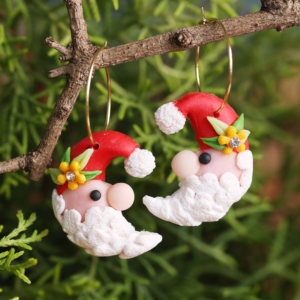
230, 57
87, 95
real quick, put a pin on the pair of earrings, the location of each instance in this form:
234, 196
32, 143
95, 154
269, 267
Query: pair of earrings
213, 178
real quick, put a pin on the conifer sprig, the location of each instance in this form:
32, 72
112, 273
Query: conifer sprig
12, 239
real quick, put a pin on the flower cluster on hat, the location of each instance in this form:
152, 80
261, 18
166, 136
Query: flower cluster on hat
233, 140
71, 172
230, 137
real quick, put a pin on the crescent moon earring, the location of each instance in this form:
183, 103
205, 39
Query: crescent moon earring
220, 172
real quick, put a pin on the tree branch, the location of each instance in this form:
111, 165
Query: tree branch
52, 43
190, 37
57, 120
274, 14
64, 70
80, 38
280, 7
14, 164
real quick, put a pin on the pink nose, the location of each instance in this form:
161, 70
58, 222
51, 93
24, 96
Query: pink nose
185, 163
120, 196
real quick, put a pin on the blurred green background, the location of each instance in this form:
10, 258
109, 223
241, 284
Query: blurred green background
254, 251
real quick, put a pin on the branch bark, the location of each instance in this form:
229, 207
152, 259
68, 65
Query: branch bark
274, 14
190, 37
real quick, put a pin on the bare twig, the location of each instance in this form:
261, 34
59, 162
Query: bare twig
64, 70
52, 43
15, 164
80, 38
275, 14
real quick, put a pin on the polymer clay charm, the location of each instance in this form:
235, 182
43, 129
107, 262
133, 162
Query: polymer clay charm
214, 177
218, 174
88, 208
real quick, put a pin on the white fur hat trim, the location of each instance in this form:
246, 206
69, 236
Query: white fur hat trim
169, 119
140, 163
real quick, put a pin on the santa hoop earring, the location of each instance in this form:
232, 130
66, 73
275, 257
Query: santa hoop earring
87, 95
210, 184
204, 21
85, 205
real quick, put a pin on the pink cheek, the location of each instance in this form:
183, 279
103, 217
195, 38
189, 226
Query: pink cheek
80, 199
220, 163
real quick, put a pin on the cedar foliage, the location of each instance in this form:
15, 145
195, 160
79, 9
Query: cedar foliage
253, 252
12, 239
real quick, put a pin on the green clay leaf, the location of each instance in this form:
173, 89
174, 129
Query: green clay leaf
247, 134
219, 126
89, 175
84, 158
67, 156
213, 142
54, 173
239, 123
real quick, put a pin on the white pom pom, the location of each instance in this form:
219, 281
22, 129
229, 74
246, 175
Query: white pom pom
169, 119
140, 163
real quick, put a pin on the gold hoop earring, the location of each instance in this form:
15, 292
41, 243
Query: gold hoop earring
230, 58
87, 95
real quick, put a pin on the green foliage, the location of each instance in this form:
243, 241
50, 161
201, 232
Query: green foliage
12, 239
54, 174
67, 156
89, 175
219, 126
239, 123
89, 5
253, 252
213, 142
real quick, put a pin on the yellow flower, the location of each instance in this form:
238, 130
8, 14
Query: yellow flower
233, 140
71, 175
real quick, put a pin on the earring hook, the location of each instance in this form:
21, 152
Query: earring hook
87, 95
230, 58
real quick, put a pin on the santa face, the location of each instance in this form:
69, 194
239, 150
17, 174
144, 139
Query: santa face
97, 193
212, 179
205, 195
91, 194
88, 216
88, 208
219, 164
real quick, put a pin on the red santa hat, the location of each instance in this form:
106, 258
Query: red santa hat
197, 107
107, 146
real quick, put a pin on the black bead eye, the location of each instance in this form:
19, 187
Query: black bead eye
204, 158
95, 195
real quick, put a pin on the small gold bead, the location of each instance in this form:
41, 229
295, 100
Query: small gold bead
242, 135
228, 150
64, 167
75, 166
231, 131
72, 185
61, 178
241, 148
223, 140
80, 178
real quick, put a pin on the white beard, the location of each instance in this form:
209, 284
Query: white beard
204, 198
105, 232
